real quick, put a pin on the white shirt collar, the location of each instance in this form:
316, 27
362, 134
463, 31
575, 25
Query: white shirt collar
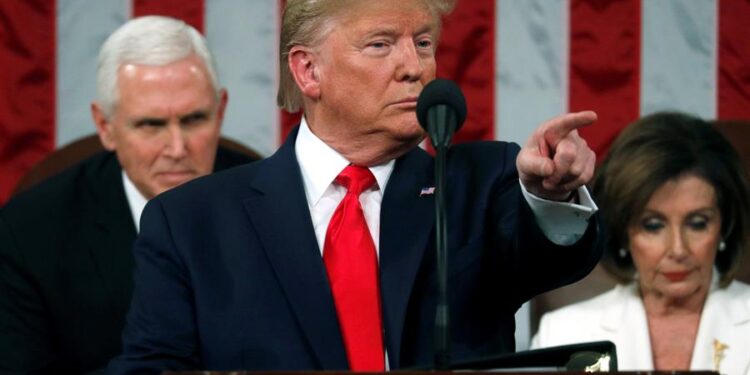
136, 200
321, 164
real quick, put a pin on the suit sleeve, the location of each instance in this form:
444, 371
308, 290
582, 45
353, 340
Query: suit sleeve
25, 342
527, 259
160, 333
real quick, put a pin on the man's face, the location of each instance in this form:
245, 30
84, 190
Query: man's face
372, 67
165, 126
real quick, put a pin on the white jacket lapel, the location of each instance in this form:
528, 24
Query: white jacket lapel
626, 321
725, 322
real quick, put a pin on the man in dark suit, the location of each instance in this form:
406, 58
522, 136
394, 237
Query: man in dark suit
66, 245
243, 269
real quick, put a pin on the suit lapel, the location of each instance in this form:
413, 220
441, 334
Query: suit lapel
111, 236
109, 230
406, 219
278, 210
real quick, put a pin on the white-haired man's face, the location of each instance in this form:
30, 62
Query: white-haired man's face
166, 124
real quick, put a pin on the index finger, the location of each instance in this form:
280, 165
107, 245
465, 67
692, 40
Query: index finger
559, 127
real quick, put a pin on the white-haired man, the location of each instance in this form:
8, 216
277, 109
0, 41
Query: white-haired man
65, 245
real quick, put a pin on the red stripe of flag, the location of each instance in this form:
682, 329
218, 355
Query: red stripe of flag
734, 60
27, 87
605, 41
466, 54
190, 11
288, 122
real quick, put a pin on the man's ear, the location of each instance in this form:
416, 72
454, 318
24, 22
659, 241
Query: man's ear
303, 67
223, 99
103, 127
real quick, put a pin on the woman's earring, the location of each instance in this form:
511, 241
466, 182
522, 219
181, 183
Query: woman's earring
722, 245
622, 253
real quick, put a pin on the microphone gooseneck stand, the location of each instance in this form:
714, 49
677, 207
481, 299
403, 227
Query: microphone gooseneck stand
441, 110
442, 312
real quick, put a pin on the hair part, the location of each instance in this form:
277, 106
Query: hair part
663, 147
148, 40
308, 23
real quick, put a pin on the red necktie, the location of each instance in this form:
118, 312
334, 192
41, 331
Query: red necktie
352, 265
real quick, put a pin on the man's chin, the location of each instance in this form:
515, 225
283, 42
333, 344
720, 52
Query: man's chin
170, 181
410, 131
404, 143
413, 138
175, 178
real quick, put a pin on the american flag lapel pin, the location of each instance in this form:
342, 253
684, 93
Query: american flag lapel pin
427, 191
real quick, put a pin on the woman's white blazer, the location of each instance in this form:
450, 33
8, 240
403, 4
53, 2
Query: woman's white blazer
619, 316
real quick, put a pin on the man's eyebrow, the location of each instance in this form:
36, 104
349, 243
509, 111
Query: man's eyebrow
384, 30
429, 28
150, 121
381, 31
201, 113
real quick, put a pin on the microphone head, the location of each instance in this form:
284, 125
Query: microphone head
441, 91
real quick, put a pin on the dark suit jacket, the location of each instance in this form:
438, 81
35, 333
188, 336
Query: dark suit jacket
229, 274
66, 269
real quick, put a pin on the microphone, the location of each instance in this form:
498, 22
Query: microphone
441, 110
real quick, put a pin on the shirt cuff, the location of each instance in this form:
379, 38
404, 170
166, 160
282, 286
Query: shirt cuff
563, 223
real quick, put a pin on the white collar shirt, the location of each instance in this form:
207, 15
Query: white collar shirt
136, 200
320, 164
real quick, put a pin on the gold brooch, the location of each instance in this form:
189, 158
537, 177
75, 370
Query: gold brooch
719, 348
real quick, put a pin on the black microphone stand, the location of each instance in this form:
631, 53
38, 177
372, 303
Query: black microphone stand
442, 123
441, 109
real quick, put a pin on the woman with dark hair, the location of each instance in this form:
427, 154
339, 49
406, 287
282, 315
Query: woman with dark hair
675, 205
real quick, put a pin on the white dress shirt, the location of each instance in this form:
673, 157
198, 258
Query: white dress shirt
562, 223
136, 200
